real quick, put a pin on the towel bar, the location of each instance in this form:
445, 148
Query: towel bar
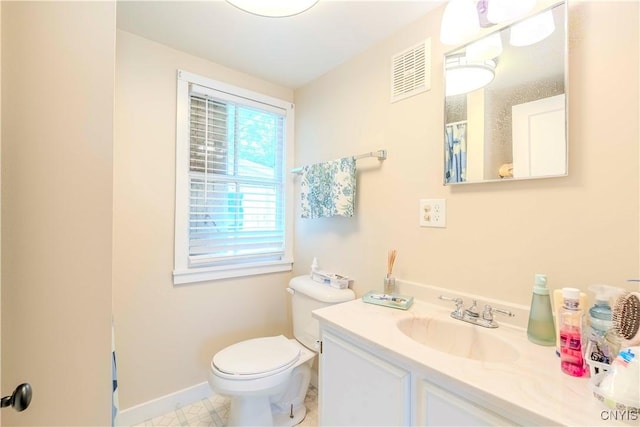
380, 154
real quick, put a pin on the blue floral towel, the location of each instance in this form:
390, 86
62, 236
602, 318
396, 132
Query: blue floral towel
329, 188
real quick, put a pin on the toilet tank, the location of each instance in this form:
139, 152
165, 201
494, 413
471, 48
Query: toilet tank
309, 295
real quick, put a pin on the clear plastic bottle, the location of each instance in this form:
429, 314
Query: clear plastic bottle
600, 315
600, 322
314, 266
541, 329
571, 358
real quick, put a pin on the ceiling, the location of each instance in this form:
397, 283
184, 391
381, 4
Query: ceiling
289, 51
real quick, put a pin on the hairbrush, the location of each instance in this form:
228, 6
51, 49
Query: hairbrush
626, 317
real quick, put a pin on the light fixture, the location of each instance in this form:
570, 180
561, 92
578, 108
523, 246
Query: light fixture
459, 22
532, 30
508, 10
481, 6
274, 8
488, 47
463, 76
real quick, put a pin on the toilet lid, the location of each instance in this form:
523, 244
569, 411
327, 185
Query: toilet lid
256, 356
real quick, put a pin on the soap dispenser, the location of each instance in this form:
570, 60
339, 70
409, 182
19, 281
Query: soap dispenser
541, 329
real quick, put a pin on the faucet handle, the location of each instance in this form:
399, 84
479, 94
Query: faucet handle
487, 314
457, 301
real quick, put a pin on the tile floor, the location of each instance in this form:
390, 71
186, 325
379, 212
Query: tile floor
214, 411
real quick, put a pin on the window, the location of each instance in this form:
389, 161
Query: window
232, 198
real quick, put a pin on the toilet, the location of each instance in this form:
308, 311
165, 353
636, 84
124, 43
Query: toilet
267, 378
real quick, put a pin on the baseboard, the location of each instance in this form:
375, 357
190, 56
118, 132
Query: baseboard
162, 405
165, 404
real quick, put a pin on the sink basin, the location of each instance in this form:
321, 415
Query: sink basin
458, 339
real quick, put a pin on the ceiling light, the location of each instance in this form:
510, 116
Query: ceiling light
508, 10
463, 76
273, 8
532, 30
459, 22
488, 47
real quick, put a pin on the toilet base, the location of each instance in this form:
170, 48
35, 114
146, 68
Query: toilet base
287, 420
257, 411
250, 411
285, 409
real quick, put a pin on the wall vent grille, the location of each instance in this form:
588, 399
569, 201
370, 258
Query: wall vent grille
411, 71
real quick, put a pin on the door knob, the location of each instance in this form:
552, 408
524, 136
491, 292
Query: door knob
20, 399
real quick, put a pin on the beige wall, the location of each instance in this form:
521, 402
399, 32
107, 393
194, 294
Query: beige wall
579, 230
166, 334
497, 235
57, 141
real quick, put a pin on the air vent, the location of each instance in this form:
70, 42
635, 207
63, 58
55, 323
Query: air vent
411, 71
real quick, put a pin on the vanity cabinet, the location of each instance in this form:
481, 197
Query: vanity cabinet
438, 407
358, 387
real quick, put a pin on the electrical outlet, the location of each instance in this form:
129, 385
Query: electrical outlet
432, 213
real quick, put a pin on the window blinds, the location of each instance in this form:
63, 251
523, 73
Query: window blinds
236, 180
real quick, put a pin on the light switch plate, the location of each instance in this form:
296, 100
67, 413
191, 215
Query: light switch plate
433, 213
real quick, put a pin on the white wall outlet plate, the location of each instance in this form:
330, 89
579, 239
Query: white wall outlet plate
433, 213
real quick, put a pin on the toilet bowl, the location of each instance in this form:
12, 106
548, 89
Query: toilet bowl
267, 378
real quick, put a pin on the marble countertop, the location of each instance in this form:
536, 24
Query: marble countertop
531, 388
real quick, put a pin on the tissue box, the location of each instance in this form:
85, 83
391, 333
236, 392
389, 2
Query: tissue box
333, 280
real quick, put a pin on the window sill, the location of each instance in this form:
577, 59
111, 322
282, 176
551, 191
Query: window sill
193, 275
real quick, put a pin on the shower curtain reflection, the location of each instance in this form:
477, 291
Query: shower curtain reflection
456, 152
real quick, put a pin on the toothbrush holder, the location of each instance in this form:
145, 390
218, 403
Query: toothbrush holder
389, 284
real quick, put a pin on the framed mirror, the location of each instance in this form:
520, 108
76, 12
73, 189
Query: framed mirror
506, 104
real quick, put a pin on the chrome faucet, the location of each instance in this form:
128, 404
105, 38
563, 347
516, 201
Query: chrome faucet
472, 315
473, 310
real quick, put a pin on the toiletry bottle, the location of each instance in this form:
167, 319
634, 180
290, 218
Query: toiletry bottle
600, 322
556, 302
541, 329
571, 359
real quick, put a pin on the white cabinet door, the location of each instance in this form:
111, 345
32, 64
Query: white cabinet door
357, 388
438, 407
539, 138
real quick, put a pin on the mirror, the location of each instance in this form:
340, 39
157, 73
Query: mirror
514, 126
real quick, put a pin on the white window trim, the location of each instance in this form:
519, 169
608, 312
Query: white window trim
182, 273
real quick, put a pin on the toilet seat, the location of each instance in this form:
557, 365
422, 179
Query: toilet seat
256, 358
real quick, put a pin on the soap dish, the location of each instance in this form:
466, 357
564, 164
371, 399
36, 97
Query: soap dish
401, 302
